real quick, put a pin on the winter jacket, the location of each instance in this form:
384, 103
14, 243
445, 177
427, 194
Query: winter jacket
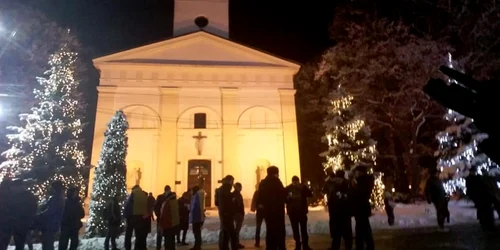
255, 197
137, 204
339, 201
361, 195
113, 213
73, 214
169, 217
49, 220
183, 213
296, 203
272, 196
239, 207
434, 191
197, 212
226, 201
18, 210
159, 202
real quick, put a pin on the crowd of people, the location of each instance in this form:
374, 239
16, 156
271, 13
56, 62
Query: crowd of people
22, 218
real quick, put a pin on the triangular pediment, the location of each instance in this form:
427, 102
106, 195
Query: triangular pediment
198, 48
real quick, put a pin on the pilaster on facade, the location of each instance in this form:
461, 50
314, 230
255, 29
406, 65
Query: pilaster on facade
230, 113
290, 137
167, 162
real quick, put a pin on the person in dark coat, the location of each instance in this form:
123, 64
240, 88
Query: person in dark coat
239, 211
113, 217
225, 202
151, 206
157, 210
183, 219
259, 215
272, 197
389, 207
435, 194
339, 209
297, 209
480, 194
50, 217
72, 220
17, 213
362, 190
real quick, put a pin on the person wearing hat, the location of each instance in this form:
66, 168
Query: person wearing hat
50, 217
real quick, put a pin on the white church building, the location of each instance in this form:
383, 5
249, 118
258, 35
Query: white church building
200, 107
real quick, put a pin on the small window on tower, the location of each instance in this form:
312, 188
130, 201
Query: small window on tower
200, 120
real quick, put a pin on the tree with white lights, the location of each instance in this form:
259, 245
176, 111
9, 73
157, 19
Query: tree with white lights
49, 146
347, 135
110, 175
458, 151
349, 140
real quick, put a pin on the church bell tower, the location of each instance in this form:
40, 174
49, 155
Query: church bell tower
211, 16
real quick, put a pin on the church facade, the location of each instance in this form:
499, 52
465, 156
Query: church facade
200, 107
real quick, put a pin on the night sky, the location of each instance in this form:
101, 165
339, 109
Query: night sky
296, 31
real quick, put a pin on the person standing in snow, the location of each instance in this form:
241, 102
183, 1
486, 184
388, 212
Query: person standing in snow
339, 210
72, 220
136, 213
435, 194
272, 197
389, 207
17, 213
297, 209
197, 215
50, 217
113, 216
183, 219
239, 211
225, 202
259, 215
157, 210
169, 220
361, 193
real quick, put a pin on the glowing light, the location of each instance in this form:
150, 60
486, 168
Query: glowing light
393, 190
349, 141
49, 147
110, 176
458, 151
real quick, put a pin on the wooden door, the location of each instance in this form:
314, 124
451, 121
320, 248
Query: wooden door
200, 173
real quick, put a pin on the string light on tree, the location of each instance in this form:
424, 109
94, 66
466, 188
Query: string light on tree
349, 139
49, 145
109, 176
458, 152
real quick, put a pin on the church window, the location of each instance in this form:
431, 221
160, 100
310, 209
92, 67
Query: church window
200, 120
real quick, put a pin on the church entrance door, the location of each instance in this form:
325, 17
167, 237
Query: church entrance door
200, 173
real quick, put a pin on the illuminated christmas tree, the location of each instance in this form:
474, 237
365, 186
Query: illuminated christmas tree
349, 139
458, 152
49, 146
110, 175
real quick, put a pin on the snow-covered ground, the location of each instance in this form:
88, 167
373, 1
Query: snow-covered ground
407, 216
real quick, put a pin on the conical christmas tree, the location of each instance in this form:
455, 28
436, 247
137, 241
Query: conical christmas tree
110, 175
49, 146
